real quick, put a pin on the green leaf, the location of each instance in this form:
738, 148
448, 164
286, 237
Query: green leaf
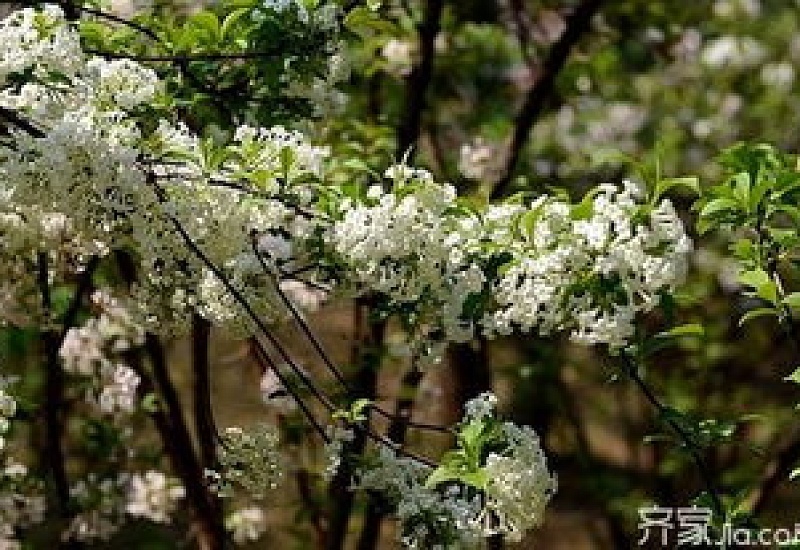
205, 22
366, 23
230, 20
758, 279
719, 206
357, 410
150, 403
528, 221
792, 300
794, 377
691, 183
741, 190
478, 478
584, 209
756, 313
690, 329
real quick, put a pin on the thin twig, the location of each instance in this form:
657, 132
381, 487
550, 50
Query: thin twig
122, 21
631, 369
185, 58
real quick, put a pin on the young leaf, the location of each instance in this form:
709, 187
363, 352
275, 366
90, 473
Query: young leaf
794, 377
691, 183
756, 313
792, 300
759, 280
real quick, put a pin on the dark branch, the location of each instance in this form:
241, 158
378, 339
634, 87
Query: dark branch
203, 410
632, 371
174, 432
187, 58
576, 25
54, 395
15, 120
122, 21
419, 80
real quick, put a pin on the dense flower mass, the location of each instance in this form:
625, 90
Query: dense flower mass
519, 485
588, 268
98, 350
593, 272
249, 461
506, 492
428, 518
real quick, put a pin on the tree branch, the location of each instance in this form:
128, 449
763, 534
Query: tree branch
632, 371
576, 25
397, 432
54, 395
419, 80
172, 427
203, 411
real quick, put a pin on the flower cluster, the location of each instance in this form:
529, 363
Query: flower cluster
428, 518
338, 437
249, 460
8, 408
22, 503
102, 502
519, 485
153, 496
97, 351
37, 39
496, 482
120, 183
590, 268
246, 525
407, 244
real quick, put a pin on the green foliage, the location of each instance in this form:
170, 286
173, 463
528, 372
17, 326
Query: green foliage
475, 439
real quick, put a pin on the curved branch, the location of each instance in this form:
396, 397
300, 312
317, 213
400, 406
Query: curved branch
576, 26
632, 371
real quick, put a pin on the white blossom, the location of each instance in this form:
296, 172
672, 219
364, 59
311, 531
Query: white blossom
246, 525
154, 496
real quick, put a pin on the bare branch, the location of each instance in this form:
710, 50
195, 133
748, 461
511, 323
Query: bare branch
576, 25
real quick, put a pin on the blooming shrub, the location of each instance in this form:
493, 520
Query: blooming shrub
125, 223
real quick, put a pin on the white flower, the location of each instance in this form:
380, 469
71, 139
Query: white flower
334, 448
246, 525
481, 161
153, 496
520, 485
399, 56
